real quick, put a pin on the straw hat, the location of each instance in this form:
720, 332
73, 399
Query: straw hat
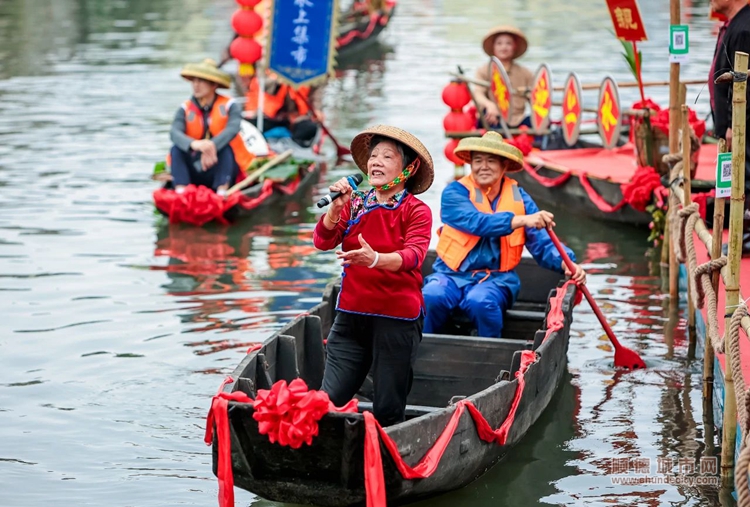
421, 180
492, 143
521, 42
207, 70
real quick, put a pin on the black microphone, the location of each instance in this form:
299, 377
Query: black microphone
328, 199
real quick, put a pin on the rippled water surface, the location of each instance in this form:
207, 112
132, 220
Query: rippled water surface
118, 328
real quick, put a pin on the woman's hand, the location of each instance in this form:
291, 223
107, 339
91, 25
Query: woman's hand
579, 276
492, 113
364, 256
338, 205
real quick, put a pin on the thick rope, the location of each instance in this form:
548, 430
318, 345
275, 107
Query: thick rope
706, 295
743, 461
734, 352
688, 217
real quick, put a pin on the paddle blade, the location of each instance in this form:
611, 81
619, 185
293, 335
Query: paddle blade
628, 359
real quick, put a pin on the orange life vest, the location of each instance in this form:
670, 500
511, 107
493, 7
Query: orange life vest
455, 245
273, 103
217, 121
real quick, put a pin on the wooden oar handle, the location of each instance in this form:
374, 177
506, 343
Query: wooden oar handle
258, 172
572, 267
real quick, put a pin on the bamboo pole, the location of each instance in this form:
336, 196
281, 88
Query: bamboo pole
667, 254
708, 349
259, 172
687, 200
736, 214
588, 86
674, 146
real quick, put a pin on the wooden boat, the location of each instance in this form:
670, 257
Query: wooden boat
589, 181
292, 181
450, 371
359, 28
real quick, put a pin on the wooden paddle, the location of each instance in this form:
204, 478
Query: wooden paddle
259, 172
624, 357
341, 151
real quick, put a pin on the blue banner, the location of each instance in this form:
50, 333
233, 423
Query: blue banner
302, 38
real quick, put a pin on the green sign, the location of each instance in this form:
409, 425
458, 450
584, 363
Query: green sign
724, 175
679, 43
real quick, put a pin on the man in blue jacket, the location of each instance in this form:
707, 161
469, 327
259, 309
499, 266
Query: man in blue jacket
487, 221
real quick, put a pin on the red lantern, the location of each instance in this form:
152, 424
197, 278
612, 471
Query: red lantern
245, 50
246, 22
449, 152
457, 121
249, 4
456, 95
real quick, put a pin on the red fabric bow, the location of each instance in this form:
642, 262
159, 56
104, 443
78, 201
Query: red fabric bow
523, 141
639, 190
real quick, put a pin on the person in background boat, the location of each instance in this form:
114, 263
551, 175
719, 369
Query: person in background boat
734, 36
488, 219
506, 43
208, 149
283, 106
384, 235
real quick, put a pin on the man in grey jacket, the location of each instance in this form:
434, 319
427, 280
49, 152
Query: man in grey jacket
207, 147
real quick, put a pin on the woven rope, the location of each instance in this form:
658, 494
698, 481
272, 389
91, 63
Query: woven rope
707, 296
736, 365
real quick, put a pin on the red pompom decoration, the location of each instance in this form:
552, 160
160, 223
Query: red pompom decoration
246, 23
457, 121
456, 95
449, 152
245, 50
247, 3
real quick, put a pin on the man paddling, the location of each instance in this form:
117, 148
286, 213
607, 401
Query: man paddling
488, 219
734, 36
208, 149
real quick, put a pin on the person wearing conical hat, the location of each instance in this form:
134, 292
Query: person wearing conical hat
384, 235
507, 43
208, 149
488, 219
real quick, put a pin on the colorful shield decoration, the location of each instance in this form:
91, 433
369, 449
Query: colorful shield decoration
609, 113
541, 98
501, 88
572, 108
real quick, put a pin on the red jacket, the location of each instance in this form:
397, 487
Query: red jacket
404, 230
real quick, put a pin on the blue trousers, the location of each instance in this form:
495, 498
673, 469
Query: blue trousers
185, 172
484, 303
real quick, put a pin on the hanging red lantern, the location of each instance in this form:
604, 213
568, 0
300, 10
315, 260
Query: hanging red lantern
245, 50
246, 22
452, 144
458, 121
248, 3
456, 95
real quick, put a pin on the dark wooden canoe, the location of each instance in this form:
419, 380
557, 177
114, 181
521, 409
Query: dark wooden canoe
358, 31
330, 472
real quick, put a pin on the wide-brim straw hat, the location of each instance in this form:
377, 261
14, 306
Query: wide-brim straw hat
419, 181
522, 44
491, 143
208, 70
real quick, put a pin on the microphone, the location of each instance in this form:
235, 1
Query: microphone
328, 199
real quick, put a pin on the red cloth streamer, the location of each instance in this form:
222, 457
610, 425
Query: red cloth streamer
547, 182
350, 36
288, 414
374, 481
522, 141
639, 191
597, 199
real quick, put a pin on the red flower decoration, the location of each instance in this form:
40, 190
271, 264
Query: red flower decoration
639, 191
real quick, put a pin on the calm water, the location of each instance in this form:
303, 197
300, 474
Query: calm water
117, 328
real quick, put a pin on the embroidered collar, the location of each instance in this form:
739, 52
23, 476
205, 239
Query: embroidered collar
364, 202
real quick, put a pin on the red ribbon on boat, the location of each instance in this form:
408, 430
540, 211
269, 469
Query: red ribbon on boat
597, 199
350, 36
639, 191
374, 481
544, 181
288, 414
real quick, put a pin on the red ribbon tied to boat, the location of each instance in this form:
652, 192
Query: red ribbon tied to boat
197, 205
289, 414
639, 191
